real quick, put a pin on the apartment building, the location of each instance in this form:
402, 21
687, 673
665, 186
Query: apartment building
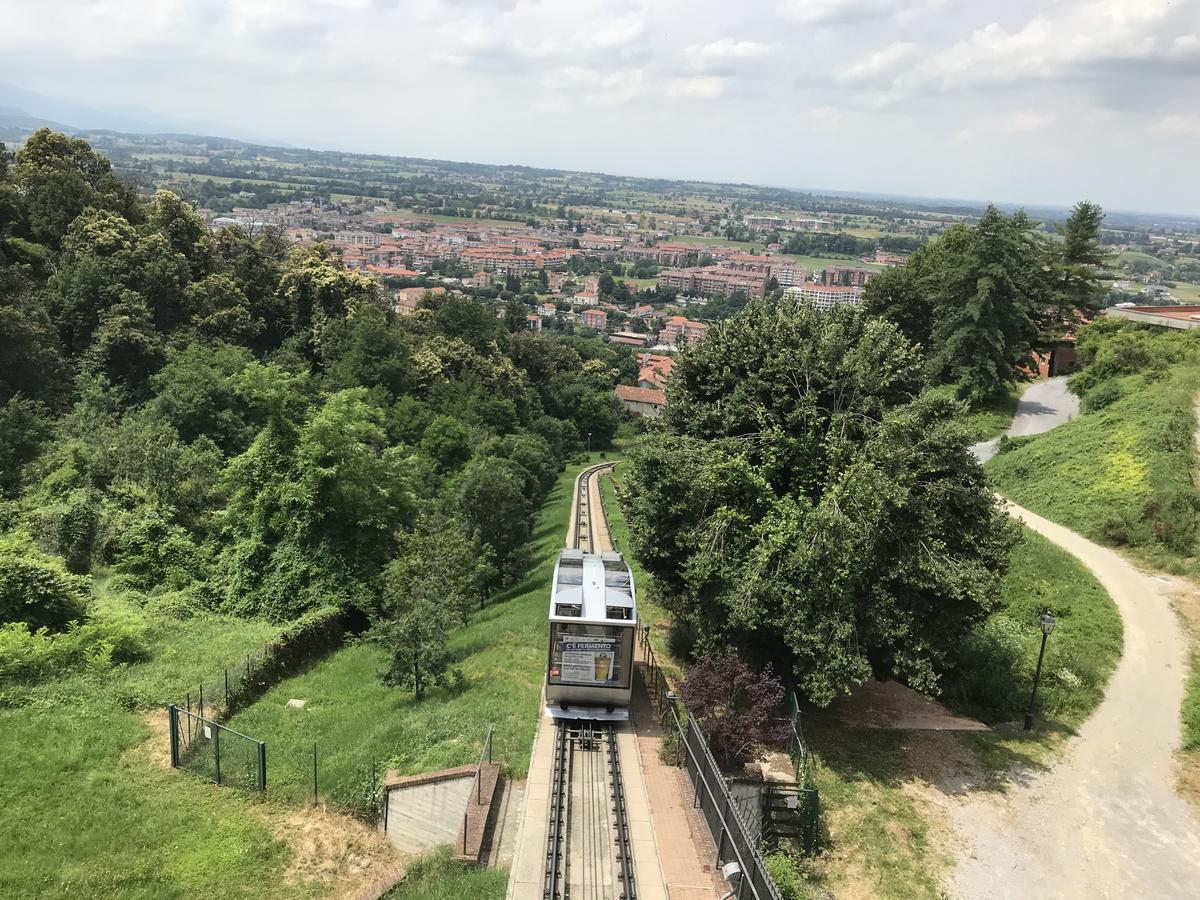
490, 259
681, 330
847, 275
824, 296
358, 238
595, 319
713, 281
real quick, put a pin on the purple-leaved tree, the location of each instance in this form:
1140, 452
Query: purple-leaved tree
737, 708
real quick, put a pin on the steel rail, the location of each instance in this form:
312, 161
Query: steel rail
624, 855
559, 778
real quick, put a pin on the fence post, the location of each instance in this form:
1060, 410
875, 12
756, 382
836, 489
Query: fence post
189, 718
374, 799
202, 701
226, 691
314, 774
262, 767
217, 748
721, 842
173, 723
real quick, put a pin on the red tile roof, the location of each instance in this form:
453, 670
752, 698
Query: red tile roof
641, 395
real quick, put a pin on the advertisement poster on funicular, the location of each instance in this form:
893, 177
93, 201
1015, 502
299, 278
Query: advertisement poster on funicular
591, 660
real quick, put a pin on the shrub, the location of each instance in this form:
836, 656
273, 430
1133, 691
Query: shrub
1104, 394
785, 871
34, 590
31, 655
737, 708
69, 526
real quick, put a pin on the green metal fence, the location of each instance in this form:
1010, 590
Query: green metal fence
215, 752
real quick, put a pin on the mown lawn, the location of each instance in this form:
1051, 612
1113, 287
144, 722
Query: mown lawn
85, 809
354, 719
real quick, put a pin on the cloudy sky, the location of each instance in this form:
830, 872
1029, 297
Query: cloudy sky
1035, 101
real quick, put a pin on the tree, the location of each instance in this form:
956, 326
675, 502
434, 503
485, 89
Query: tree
24, 429
988, 304
804, 501
58, 178
738, 709
414, 632
489, 497
447, 441
1081, 261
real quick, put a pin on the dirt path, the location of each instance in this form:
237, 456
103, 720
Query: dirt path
1105, 821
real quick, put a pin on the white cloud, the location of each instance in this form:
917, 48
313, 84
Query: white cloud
699, 87
1027, 121
1177, 126
727, 48
828, 13
884, 61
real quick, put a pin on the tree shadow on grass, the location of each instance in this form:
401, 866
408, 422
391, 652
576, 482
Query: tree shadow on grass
955, 762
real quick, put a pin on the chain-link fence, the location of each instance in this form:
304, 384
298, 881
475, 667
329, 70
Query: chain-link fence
220, 754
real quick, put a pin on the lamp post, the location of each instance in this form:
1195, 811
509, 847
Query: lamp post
1047, 623
589, 443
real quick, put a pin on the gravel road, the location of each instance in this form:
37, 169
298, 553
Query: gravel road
1105, 820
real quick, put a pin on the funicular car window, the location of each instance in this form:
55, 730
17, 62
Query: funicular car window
590, 654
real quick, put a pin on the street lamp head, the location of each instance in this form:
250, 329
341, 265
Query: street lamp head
1048, 622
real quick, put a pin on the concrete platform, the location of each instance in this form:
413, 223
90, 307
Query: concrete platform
426, 811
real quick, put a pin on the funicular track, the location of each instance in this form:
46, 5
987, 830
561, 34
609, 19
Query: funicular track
588, 851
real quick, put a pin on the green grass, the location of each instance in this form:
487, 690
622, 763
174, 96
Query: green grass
86, 812
1191, 706
1098, 473
993, 680
354, 719
438, 877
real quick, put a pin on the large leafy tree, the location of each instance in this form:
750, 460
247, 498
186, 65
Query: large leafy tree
58, 178
805, 501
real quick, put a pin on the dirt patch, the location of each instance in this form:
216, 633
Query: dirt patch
889, 704
332, 849
157, 747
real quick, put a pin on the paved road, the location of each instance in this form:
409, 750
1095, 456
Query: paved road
1105, 821
1043, 406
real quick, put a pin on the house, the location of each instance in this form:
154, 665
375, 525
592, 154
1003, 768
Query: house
480, 280
641, 401
586, 298
406, 300
644, 311
653, 370
534, 323
595, 319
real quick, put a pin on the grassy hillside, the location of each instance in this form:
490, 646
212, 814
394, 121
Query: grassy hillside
355, 719
1121, 474
87, 809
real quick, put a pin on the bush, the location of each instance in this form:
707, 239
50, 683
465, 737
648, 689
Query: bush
785, 871
32, 655
737, 708
1104, 394
69, 526
34, 590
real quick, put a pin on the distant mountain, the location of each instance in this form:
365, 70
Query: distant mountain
18, 102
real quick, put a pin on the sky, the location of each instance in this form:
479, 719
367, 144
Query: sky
1019, 101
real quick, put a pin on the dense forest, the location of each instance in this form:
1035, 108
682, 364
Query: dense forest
222, 422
